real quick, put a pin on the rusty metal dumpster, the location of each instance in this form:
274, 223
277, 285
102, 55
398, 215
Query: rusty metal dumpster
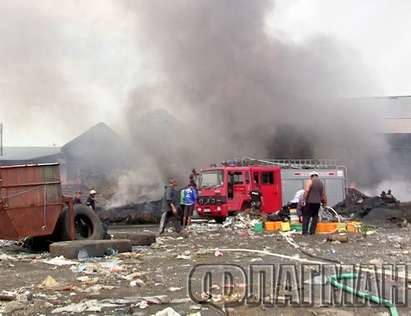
31, 200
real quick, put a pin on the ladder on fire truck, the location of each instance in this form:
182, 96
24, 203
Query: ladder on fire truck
295, 163
299, 164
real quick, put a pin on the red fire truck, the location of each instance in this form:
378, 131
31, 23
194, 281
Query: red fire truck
225, 189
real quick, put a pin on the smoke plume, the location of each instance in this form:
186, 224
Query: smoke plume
229, 88
192, 82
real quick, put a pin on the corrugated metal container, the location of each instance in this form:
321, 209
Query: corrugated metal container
31, 200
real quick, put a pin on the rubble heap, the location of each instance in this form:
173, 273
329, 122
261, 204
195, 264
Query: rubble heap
373, 209
132, 214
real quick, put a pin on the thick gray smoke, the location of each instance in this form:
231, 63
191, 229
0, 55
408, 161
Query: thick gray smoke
225, 87
208, 82
35, 90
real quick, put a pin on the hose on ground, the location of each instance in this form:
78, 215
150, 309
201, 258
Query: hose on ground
335, 281
299, 248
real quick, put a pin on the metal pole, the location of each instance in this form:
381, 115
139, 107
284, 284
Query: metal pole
1, 139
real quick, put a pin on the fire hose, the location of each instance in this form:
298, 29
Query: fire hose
336, 279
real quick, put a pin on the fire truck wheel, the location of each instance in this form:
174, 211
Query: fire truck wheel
220, 219
86, 223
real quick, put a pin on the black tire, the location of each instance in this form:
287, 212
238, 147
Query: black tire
220, 219
86, 223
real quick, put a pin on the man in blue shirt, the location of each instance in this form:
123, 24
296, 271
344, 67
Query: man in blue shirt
190, 198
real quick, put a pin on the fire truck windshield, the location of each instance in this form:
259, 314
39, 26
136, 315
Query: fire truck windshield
211, 179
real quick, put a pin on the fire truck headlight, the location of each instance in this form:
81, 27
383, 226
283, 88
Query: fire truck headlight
199, 209
218, 208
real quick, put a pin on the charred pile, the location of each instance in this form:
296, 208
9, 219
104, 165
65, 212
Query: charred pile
132, 214
371, 209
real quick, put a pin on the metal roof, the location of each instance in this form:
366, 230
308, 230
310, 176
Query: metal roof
28, 153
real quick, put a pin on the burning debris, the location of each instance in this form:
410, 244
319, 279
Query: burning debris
375, 209
132, 214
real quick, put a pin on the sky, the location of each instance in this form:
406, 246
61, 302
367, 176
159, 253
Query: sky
66, 67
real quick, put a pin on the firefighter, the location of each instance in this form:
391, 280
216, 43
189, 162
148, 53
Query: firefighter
256, 200
91, 200
169, 207
77, 198
314, 195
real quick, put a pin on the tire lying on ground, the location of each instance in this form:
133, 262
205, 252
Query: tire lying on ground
86, 223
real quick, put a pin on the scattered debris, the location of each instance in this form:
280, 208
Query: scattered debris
4, 257
137, 282
86, 306
49, 284
14, 306
338, 238
218, 253
167, 312
60, 261
107, 284
376, 261
174, 289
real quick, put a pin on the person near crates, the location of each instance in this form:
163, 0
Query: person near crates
314, 196
298, 203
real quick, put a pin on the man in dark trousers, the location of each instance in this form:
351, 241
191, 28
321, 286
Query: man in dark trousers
169, 207
189, 199
91, 200
77, 198
314, 195
256, 200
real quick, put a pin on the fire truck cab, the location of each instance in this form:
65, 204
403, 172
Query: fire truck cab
225, 190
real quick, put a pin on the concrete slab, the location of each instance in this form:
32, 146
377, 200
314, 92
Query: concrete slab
136, 238
94, 248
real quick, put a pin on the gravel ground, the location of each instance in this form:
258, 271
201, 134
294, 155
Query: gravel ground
157, 276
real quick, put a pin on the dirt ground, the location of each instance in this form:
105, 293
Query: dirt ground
153, 278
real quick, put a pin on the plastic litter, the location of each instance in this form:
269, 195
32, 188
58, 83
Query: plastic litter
167, 312
218, 253
137, 282
49, 283
4, 257
142, 304
87, 306
83, 255
175, 289
184, 257
95, 289
60, 261
376, 261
